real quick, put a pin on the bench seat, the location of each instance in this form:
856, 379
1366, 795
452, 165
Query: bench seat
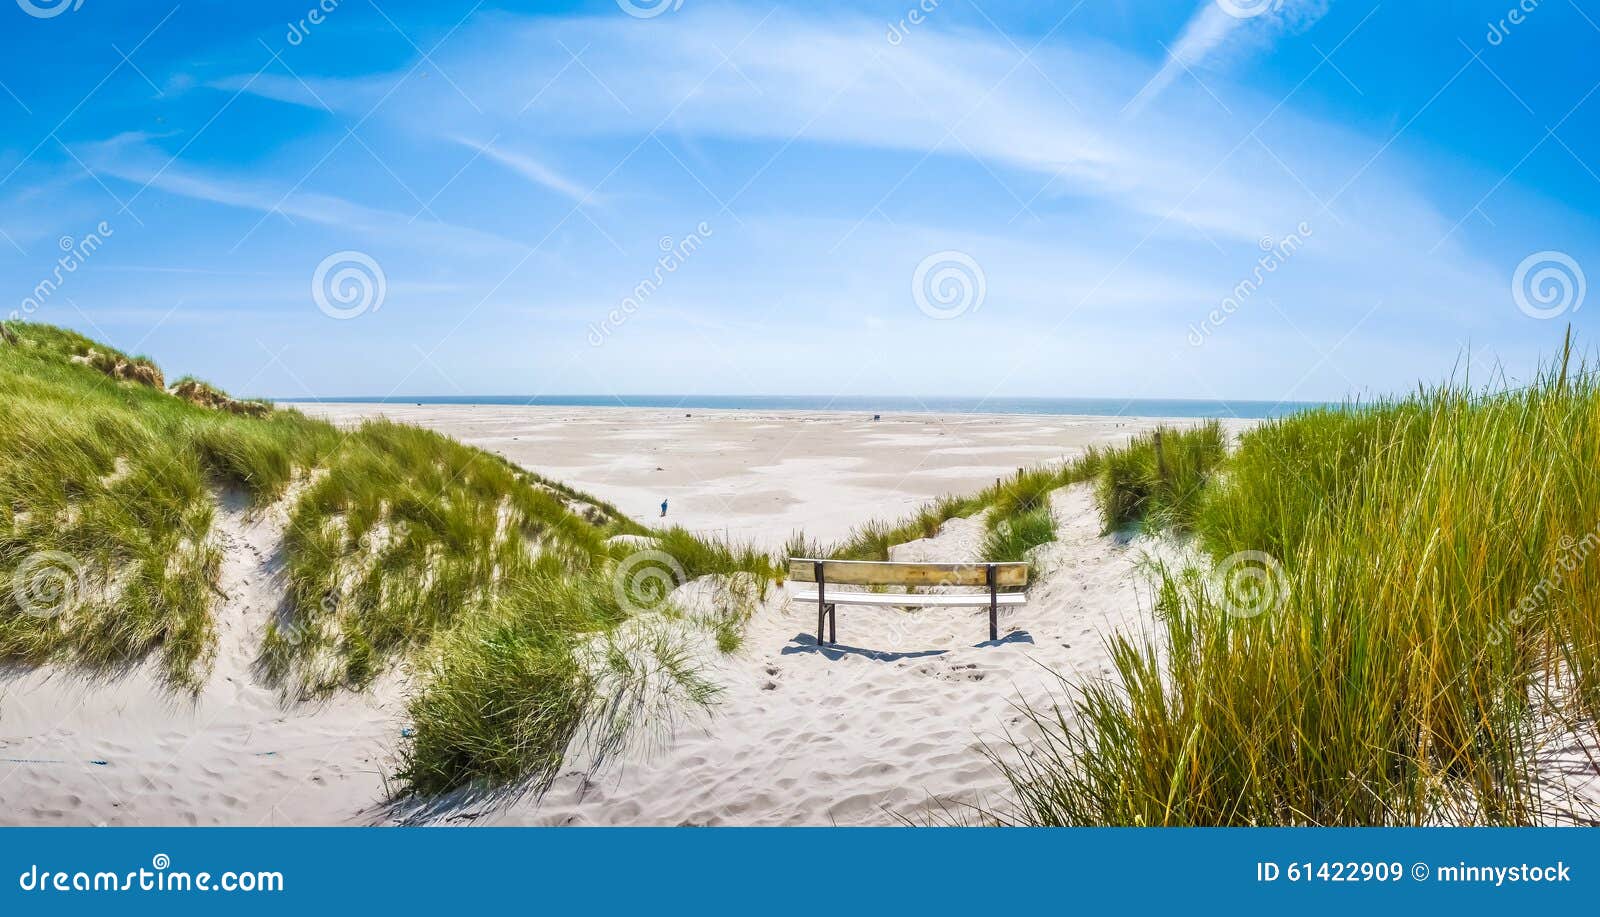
991, 576
904, 599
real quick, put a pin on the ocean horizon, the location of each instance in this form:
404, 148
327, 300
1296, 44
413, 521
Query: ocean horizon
876, 404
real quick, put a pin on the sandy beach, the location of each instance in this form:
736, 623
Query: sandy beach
889, 725
760, 476
896, 723
650, 415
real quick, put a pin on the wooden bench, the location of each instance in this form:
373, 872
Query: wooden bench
827, 573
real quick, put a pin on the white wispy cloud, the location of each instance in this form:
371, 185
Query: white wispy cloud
531, 169
792, 79
1217, 30
132, 158
1125, 229
835, 81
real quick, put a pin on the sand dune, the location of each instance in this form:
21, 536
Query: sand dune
890, 725
127, 751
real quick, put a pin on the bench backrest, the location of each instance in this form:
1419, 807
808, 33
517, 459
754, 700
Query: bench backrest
889, 573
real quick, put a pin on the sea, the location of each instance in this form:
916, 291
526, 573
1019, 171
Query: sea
871, 404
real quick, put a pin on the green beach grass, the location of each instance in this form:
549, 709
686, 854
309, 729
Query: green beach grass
1398, 604
1409, 606
1134, 481
499, 585
106, 496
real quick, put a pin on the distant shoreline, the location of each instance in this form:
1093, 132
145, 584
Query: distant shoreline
894, 404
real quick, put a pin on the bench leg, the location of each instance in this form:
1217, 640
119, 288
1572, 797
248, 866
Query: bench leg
822, 617
833, 624
994, 604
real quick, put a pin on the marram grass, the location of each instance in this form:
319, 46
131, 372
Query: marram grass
1008, 498
1436, 620
106, 506
1135, 481
402, 544
1013, 537
1158, 477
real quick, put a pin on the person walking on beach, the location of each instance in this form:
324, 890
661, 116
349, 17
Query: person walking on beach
663, 509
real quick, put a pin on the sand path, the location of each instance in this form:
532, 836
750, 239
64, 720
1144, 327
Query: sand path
892, 723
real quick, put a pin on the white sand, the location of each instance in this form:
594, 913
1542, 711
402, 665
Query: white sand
231, 756
891, 725
759, 476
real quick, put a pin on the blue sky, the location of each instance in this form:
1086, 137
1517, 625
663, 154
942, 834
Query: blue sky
1290, 200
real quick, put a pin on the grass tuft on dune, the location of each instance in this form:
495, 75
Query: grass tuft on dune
1006, 500
106, 503
1158, 478
1402, 610
402, 544
401, 534
1136, 481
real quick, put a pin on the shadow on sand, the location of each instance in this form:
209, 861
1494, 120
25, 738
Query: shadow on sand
807, 643
465, 805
